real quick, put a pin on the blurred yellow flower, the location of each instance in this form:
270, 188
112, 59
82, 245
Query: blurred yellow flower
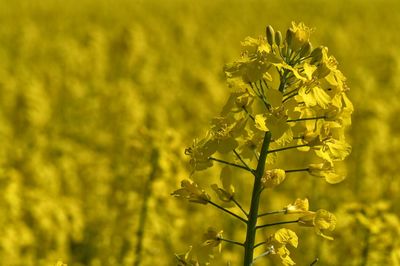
192, 192
212, 238
186, 259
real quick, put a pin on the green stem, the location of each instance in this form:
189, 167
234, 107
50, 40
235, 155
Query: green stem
231, 241
283, 81
240, 206
288, 148
227, 211
277, 223
255, 199
305, 119
365, 251
289, 97
259, 244
248, 113
271, 212
144, 208
314, 262
297, 170
242, 161
290, 92
231, 164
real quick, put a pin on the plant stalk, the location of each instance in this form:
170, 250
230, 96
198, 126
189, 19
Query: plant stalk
144, 208
255, 198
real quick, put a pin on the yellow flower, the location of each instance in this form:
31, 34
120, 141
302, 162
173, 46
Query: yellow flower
212, 238
227, 191
273, 178
333, 150
199, 153
299, 35
299, 206
277, 244
186, 259
321, 220
285, 236
191, 192
223, 194
327, 171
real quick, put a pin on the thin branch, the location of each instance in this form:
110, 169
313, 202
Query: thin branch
271, 212
242, 161
229, 163
314, 262
288, 148
259, 244
297, 170
256, 155
248, 113
239, 206
231, 241
289, 97
290, 92
265, 83
269, 251
277, 223
305, 119
259, 95
227, 211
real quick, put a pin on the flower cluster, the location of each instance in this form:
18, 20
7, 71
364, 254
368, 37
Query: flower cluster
285, 95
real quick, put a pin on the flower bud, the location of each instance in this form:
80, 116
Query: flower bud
322, 71
278, 38
289, 37
317, 54
270, 35
305, 50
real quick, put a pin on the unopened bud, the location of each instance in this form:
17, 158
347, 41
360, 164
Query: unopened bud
306, 49
278, 38
270, 35
316, 54
289, 37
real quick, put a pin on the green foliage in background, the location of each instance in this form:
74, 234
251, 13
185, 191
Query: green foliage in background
98, 100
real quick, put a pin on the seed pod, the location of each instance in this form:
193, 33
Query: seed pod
278, 38
270, 35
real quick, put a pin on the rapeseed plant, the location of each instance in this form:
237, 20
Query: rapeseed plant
285, 95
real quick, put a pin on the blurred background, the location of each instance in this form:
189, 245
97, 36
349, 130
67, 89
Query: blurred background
98, 100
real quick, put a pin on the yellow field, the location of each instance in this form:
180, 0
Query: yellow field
99, 99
